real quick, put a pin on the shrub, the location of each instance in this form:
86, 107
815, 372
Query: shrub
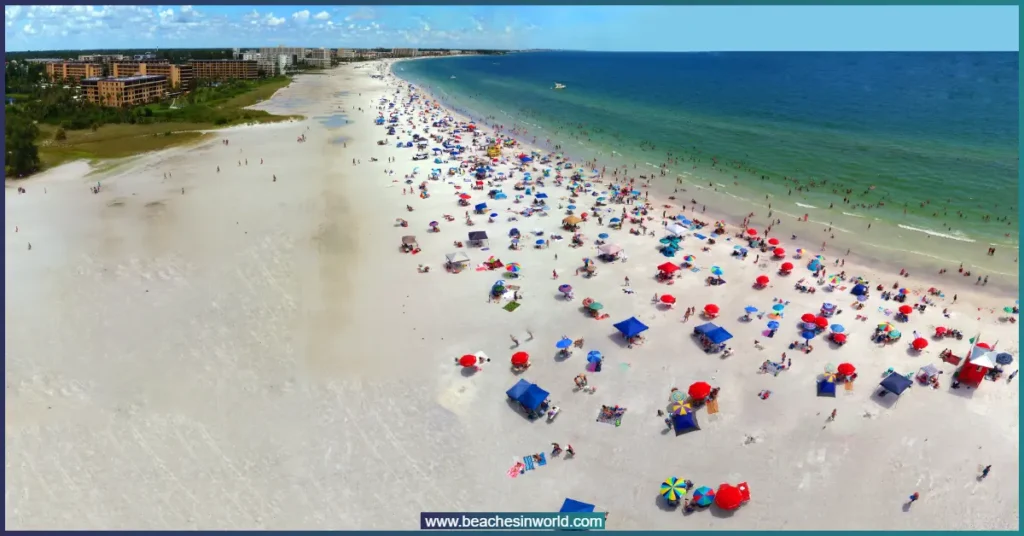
60, 134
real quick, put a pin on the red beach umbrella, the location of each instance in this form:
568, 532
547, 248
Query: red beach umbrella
699, 390
728, 497
940, 331
520, 359
711, 309
468, 360
779, 252
773, 241
786, 267
465, 196
807, 318
668, 268
983, 345
839, 337
906, 309
752, 232
668, 298
762, 280
821, 322
920, 344
846, 369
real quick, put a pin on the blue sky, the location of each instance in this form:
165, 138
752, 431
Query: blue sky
618, 28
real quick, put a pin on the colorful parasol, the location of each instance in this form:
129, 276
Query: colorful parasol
680, 407
514, 267
673, 489
704, 496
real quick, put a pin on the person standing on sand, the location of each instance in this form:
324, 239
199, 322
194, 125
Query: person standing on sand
914, 498
515, 341
984, 472
570, 451
833, 416
1012, 376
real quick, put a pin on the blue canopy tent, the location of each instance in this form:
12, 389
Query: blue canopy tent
480, 207
518, 389
859, 290
896, 383
631, 327
685, 423
572, 506
704, 329
718, 335
827, 387
533, 397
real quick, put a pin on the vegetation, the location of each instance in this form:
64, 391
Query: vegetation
112, 141
22, 158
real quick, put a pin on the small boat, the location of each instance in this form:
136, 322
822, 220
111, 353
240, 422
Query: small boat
559, 86
453, 77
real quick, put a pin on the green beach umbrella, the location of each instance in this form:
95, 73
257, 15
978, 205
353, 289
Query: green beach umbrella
596, 306
895, 334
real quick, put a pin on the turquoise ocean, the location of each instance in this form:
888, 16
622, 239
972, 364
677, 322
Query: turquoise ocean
924, 142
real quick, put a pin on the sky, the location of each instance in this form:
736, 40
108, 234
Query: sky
599, 28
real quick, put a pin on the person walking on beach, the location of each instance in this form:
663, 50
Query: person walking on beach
570, 451
555, 449
984, 472
914, 498
1012, 376
554, 274
627, 280
529, 334
833, 416
515, 341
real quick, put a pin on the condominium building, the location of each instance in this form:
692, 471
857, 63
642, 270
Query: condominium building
73, 70
346, 54
224, 69
298, 54
319, 58
179, 77
404, 52
124, 91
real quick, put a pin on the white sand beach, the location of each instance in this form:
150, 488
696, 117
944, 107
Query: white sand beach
200, 349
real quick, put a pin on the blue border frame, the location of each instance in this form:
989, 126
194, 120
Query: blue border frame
1020, 201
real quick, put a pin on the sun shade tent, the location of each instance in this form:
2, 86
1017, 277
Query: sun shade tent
409, 240
704, 329
685, 423
826, 387
676, 229
718, 335
609, 249
518, 389
481, 206
859, 290
896, 383
631, 327
572, 506
458, 257
478, 236
533, 397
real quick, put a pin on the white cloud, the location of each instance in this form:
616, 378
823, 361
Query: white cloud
29, 29
301, 16
271, 20
323, 15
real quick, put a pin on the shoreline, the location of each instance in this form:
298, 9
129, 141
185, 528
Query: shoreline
1001, 281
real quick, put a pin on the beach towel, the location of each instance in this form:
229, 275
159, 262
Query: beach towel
511, 306
712, 407
848, 386
515, 470
528, 463
543, 460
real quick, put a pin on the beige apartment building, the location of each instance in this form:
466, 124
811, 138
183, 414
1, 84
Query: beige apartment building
73, 71
224, 70
179, 77
124, 91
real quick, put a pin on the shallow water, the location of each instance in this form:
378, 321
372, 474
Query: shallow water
333, 121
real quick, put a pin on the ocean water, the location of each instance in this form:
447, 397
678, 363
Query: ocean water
924, 142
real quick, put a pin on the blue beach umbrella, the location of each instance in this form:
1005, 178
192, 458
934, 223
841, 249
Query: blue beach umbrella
494, 215
838, 328
571, 207
540, 242
716, 270
862, 298
750, 309
563, 344
773, 325
594, 356
603, 236
541, 195
615, 220
778, 307
809, 326
808, 335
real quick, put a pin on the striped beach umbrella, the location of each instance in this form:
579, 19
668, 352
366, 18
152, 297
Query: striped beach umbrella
704, 496
673, 488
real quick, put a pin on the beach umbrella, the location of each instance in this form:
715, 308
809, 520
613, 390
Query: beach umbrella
920, 344
940, 331
513, 232
564, 288
838, 328
728, 497
520, 359
807, 318
704, 495
773, 324
665, 241
603, 236
711, 309
903, 291
808, 335
541, 195
716, 271
750, 309
513, 267
752, 232
862, 298
562, 344
906, 309
571, 207
668, 268
1004, 359
677, 396
673, 489
762, 280
846, 369
465, 196
779, 252
895, 334
778, 307
596, 306
493, 215
773, 241
821, 322
699, 390
540, 242
433, 224
594, 356
830, 368
468, 360
786, 267
839, 338
680, 407
689, 258
809, 326
668, 299
983, 345
1008, 310
614, 220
